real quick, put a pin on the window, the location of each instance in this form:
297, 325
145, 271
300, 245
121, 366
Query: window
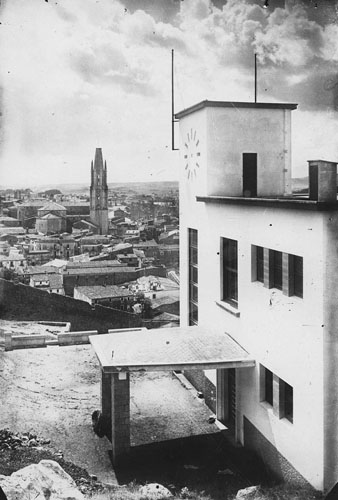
277, 393
193, 276
281, 270
230, 272
285, 400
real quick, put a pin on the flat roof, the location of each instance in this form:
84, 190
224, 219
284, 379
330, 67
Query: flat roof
283, 202
234, 104
169, 349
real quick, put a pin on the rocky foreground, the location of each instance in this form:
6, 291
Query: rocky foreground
19, 450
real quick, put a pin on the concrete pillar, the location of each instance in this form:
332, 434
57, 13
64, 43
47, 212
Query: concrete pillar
106, 397
120, 416
222, 412
8, 342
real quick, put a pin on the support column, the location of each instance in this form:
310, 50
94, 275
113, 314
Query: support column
120, 416
222, 412
106, 401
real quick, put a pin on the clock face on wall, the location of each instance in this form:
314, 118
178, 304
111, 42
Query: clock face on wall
192, 154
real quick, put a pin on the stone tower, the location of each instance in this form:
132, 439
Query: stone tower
99, 193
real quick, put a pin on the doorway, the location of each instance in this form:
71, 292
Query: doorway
249, 175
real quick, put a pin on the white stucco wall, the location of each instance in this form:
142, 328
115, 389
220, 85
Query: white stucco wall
330, 335
285, 334
234, 131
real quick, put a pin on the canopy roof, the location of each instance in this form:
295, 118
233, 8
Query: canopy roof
191, 347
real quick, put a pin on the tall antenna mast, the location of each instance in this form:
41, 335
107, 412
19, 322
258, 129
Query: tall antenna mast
173, 104
255, 77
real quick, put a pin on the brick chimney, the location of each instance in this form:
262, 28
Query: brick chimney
322, 180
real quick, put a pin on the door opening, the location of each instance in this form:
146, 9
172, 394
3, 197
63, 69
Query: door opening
249, 175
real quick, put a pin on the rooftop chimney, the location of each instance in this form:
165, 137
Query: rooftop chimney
322, 180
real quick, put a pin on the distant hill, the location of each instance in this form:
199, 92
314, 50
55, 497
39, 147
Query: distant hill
300, 183
136, 187
144, 187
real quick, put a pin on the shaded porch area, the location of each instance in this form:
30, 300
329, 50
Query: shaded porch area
122, 353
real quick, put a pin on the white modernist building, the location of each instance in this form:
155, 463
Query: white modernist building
262, 265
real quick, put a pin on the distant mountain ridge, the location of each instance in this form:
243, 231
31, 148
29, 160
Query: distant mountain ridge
138, 187
300, 183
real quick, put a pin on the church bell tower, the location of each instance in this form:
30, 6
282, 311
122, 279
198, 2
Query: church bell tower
99, 193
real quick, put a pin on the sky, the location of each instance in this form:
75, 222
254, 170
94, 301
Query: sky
81, 74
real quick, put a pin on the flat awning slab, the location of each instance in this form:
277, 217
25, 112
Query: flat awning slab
191, 347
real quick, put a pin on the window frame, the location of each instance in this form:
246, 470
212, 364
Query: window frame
192, 276
278, 270
229, 272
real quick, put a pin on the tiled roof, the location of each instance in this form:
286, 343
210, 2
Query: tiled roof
121, 246
56, 263
33, 270
33, 203
12, 230
93, 264
55, 280
103, 270
142, 244
12, 257
52, 206
50, 216
97, 292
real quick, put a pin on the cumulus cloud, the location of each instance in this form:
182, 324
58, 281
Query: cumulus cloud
78, 73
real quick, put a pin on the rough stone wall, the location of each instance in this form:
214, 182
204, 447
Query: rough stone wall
274, 462
203, 384
25, 303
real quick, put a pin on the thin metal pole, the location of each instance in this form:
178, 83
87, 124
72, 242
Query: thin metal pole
255, 77
172, 104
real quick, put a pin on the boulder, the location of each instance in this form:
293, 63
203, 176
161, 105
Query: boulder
154, 491
43, 481
247, 493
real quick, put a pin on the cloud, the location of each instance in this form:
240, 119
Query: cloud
78, 74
